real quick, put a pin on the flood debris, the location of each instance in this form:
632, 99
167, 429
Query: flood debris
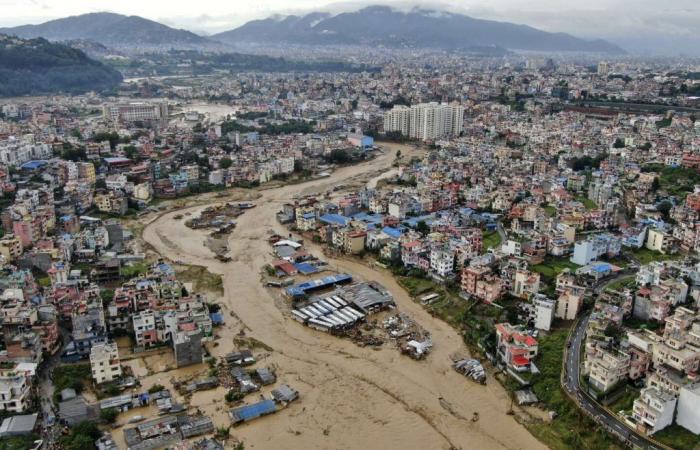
471, 368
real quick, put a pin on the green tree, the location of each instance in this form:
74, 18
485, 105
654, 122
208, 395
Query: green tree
109, 415
225, 163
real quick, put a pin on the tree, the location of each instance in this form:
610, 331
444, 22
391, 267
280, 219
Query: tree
225, 163
398, 154
655, 185
109, 415
664, 208
339, 156
422, 227
619, 143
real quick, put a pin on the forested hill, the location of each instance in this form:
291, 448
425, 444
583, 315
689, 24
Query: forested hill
37, 66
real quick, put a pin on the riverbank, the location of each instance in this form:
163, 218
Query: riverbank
351, 397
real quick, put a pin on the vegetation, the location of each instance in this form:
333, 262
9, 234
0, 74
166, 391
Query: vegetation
674, 180
250, 343
201, 277
492, 239
587, 202
156, 388
586, 162
645, 256
133, 270
70, 376
552, 267
38, 66
109, 415
81, 437
571, 428
677, 437
17, 442
290, 127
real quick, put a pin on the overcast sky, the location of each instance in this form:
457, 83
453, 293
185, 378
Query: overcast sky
672, 25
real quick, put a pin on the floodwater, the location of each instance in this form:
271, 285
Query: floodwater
350, 397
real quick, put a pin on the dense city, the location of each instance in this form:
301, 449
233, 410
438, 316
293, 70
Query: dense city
399, 249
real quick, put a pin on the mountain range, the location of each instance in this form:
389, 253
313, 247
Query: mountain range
370, 26
110, 29
37, 66
384, 26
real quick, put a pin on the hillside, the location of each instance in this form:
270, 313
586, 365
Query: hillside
384, 26
38, 66
111, 30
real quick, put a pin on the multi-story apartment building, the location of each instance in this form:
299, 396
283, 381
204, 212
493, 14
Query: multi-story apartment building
606, 367
653, 410
15, 390
104, 362
425, 121
135, 111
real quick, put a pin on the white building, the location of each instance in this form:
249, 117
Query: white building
396, 120
653, 410
135, 111
14, 152
15, 391
425, 121
442, 262
544, 312
688, 414
145, 328
104, 361
594, 247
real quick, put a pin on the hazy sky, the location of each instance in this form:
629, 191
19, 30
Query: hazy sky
636, 24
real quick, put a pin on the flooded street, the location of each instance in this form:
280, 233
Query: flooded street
351, 397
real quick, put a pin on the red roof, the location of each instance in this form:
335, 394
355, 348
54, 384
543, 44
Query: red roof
520, 360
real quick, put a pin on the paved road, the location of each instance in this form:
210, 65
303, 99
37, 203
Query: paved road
585, 402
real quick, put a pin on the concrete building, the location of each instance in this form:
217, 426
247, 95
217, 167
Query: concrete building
104, 362
569, 303
544, 312
188, 348
594, 247
606, 368
397, 119
426, 121
135, 111
653, 410
688, 413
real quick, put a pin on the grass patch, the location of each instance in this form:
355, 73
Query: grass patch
625, 401
551, 211
677, 437
415, 285
587, 202
622, 283
250, 343
552, 267
133, 270
201, 278
491, 239
646, 256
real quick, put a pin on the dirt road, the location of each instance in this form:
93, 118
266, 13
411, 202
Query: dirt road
351, 397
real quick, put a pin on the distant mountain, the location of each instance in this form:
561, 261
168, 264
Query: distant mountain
113, 30
37, 66
418, 28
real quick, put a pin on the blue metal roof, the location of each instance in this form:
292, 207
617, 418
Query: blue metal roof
300, 289
334, 219
34, 164
255, 410
392, 232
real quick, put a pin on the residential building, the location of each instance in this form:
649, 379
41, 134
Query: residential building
653, 410
104, 362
